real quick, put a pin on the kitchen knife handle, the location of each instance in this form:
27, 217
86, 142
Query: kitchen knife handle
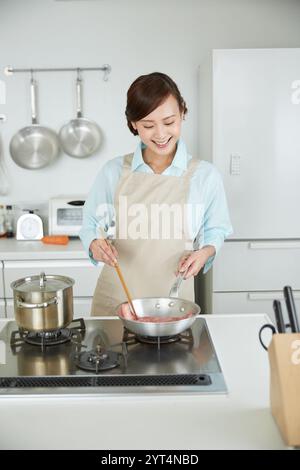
278, 316
291, 308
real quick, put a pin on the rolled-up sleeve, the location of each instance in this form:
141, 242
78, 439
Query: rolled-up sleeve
216, 225
98, 210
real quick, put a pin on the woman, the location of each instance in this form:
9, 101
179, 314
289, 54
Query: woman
165, 211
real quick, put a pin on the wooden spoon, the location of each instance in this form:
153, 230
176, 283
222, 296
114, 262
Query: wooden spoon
117, 268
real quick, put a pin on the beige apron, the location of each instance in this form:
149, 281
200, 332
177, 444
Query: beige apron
148, 264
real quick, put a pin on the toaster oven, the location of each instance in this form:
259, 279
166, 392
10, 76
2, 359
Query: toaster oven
65, 215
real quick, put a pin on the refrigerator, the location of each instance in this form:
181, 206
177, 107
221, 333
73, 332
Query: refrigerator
256, 147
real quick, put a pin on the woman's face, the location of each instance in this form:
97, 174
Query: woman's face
160, 130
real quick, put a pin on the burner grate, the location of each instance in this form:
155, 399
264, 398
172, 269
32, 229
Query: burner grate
185, 337
107, 381
51, 338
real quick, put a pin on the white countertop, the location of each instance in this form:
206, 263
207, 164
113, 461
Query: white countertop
12, 249
239, 420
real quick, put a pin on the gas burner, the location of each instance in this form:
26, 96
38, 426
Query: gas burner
97, 360
48, 338
159, 339
184, 337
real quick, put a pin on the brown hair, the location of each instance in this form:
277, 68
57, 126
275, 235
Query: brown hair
146, 93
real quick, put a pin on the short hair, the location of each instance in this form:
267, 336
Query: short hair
148, 92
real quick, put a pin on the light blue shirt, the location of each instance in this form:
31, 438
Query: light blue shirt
210, 226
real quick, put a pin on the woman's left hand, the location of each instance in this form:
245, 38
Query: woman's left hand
194, 261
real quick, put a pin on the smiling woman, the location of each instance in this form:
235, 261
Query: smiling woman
148, 185
155, 110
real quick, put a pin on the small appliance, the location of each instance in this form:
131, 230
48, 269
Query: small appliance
65, 215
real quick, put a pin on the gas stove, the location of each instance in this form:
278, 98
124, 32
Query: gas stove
99, 356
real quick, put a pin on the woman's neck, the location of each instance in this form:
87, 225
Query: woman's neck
158, 163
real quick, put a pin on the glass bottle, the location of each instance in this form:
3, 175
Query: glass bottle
9, 222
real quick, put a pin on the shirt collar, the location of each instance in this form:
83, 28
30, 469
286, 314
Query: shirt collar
180, 159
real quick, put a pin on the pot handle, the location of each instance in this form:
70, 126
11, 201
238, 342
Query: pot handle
52, 301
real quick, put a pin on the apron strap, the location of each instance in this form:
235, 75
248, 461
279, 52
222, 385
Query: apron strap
127, 161
192, 166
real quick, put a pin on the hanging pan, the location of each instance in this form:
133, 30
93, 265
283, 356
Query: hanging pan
34, 146
80, 137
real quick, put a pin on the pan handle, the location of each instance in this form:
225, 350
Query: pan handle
52, 301
175, 287
79, 97
33, 101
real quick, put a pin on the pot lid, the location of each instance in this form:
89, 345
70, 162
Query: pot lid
43, 283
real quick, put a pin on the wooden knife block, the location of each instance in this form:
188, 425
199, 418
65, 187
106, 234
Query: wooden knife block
284, 358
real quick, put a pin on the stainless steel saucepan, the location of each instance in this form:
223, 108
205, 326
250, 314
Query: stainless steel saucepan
163, 307
34, 146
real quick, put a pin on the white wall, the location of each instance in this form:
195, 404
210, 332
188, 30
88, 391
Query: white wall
135, 37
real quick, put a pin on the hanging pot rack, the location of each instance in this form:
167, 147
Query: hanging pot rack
106, 68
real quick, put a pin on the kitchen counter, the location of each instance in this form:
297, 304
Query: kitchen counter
239, 420
12, 249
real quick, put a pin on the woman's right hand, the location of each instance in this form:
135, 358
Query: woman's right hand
104, 251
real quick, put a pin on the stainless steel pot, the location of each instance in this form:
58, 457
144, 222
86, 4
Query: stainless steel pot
44, 302
160, 307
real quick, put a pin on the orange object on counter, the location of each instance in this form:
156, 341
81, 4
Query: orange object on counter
56, 239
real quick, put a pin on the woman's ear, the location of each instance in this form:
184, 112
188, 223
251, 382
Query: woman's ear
133, 125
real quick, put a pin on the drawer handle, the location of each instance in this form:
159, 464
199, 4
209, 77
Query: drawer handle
270, 295
52, 301
273, 245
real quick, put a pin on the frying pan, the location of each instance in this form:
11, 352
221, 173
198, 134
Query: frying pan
34, 146
80, 137
160, 307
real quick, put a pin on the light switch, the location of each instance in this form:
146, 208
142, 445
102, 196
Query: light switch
235, 165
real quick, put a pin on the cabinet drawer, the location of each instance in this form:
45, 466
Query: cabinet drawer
82, 271
251, 302
2, 296
268, 265
82, 307
2, 309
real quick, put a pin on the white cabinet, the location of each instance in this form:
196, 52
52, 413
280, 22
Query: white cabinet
2, 308
251, 302
2, 294
10, 308
257, 265
248, 276
82, 306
